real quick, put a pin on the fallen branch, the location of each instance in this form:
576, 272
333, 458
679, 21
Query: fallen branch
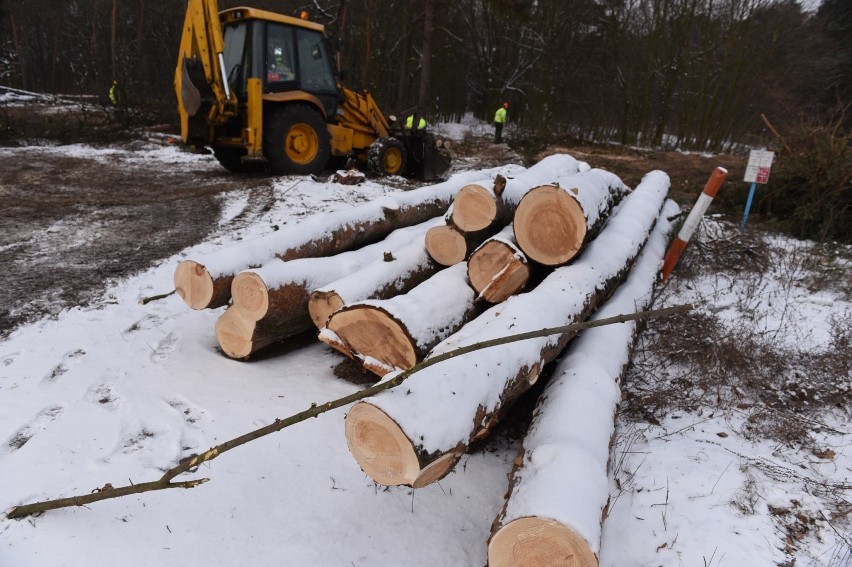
190, 463
147, 300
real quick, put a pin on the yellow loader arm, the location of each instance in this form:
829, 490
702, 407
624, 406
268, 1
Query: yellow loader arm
203, 94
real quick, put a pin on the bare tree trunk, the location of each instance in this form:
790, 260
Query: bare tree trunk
112, 53
368, 46
425, 62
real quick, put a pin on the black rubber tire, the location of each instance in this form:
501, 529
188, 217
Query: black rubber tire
229, 158
278, 127
378, 157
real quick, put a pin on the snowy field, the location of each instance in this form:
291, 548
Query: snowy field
117, 392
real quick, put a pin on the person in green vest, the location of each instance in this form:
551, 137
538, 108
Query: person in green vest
409, 123
116, 96
499, 122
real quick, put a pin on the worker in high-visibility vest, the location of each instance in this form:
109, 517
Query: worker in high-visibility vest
409, 123
499, 122
116, 96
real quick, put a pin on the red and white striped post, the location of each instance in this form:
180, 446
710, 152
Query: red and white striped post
701, 205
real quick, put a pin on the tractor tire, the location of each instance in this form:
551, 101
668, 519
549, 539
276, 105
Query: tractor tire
296, 140
386, 157
230, 159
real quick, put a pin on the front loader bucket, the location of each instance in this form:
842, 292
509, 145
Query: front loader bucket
425, 161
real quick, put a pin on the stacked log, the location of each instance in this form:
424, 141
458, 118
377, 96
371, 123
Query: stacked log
270, 303
554, 222
206, 282
481, 209
396, 333
498, 269
397, 441
558, 491
392, 275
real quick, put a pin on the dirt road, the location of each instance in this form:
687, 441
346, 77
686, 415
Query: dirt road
73, 218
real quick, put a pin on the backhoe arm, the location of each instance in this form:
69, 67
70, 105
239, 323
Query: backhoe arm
200, 79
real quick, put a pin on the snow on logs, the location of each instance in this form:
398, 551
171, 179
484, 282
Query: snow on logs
396, 333
477, 207
554, 222
480, 209
415, 435
270, 303
393, 274
498, 269
559, 490
206, 282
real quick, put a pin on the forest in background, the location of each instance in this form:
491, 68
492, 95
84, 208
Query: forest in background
668, 74
694, 74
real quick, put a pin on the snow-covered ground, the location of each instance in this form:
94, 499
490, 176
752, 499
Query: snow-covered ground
117, 392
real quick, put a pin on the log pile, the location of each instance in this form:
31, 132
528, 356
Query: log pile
417, 451
457, 279
481, 209
205, 283
270, 303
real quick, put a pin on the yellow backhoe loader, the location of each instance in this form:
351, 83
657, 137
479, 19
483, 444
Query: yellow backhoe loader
260, 90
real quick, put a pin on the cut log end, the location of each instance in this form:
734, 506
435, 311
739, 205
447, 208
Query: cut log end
446, 245
474, 208
495, 272
436, 470
234, 332
380, 447
372, 332
194, 284
550, 226
250, 295
321, 305
539, 541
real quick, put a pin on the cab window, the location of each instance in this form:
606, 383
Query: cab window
280, 60
314, 63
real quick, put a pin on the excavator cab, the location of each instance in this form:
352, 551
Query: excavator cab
259, 89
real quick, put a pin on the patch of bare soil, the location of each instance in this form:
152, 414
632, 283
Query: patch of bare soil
72, 223
689, 172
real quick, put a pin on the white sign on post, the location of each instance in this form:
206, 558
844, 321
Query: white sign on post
759, 164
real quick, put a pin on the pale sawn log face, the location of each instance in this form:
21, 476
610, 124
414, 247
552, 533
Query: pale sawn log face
234, 333
250, 294
446, 245
550, 226
495, 271
379, 446
321, 306
474, 208
194, 284
539, 541
371, 331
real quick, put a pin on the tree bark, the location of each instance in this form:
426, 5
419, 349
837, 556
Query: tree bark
556, 511
206, 282
554, 222
270, 303
397, 333
498, 269
395, 273
419, 450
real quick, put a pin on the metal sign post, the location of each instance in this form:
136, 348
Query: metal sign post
757, 171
